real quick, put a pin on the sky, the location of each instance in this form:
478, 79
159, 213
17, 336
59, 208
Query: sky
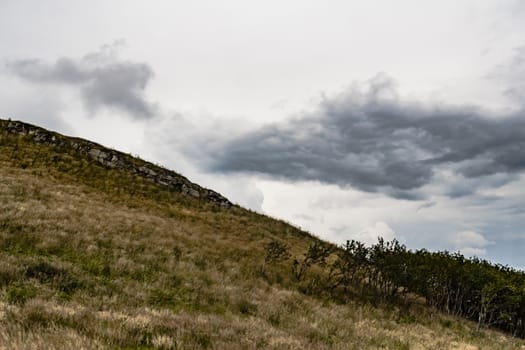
349, 119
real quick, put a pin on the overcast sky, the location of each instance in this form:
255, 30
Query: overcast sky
350, 119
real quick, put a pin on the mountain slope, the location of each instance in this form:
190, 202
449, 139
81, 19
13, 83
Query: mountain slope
99, 250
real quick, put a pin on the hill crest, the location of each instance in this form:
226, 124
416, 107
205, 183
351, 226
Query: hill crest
114, 159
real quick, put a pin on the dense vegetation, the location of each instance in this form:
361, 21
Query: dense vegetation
492, 295
93, 257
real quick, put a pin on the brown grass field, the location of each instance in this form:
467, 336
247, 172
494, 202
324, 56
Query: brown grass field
94, 258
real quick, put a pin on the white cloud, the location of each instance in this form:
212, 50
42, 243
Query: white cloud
470, 243
370, 234
470, 238
44, 107
470, 251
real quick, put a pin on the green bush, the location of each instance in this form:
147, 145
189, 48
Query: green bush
58, 278
246, 307
19, 293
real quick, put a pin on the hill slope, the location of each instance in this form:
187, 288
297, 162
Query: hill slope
103, 250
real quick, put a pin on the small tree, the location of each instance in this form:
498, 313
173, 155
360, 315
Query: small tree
276, 252
316, 254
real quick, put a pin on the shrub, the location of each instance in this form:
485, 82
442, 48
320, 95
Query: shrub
246, 307
276, 252
19, 293
58, 278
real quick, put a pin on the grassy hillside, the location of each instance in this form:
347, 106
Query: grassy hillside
97, 257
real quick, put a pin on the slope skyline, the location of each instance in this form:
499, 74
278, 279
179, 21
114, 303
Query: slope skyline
352, 120
105, 250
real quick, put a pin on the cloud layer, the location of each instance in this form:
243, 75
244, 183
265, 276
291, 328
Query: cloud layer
102, 79
512, 73
367, 138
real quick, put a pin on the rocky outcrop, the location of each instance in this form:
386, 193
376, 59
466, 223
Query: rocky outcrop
116, 160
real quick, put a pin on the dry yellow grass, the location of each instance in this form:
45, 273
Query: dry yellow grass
86, 265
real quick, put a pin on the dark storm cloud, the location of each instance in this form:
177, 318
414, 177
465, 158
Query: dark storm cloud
103, 80
370, 140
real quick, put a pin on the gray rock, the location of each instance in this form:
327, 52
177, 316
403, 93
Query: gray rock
116, 160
